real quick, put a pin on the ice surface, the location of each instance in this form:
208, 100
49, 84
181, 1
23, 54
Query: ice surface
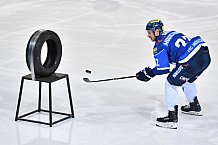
108, 38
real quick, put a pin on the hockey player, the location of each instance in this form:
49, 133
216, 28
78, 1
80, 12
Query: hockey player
190, 56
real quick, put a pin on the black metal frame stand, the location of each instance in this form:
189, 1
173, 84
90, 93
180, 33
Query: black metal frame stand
52, 78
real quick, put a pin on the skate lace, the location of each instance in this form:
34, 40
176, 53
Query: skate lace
187, 106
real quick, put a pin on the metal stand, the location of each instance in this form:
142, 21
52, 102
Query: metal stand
52, 78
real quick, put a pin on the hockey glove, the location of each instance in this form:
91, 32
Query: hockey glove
145, 74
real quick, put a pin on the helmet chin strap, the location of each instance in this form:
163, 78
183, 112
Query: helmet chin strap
154, 36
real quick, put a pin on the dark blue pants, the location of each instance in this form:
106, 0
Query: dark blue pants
189, 71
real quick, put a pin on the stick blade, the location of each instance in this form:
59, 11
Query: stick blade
86, 80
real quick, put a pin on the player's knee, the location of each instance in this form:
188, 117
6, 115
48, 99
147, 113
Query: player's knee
187, 84
169, 86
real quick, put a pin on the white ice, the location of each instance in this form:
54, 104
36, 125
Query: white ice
107, 37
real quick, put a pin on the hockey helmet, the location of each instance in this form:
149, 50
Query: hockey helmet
155, 24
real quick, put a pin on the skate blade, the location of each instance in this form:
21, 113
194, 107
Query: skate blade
193, 113
171, 125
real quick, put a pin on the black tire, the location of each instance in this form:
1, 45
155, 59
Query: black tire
33, 53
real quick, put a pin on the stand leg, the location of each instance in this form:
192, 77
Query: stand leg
40, 96
70, 97
19, 99
50, 105
48, 80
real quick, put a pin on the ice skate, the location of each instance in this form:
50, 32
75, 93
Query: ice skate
169, 121
193, 108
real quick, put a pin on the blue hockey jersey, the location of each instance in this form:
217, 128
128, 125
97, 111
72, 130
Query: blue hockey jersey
173, 47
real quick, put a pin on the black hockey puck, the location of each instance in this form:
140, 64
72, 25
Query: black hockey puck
88, 71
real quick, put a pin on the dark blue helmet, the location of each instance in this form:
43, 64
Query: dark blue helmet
155, 24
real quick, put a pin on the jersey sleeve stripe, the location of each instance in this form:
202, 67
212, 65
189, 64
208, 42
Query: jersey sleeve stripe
163, 68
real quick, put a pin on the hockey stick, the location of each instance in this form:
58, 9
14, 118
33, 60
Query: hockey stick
103, 80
